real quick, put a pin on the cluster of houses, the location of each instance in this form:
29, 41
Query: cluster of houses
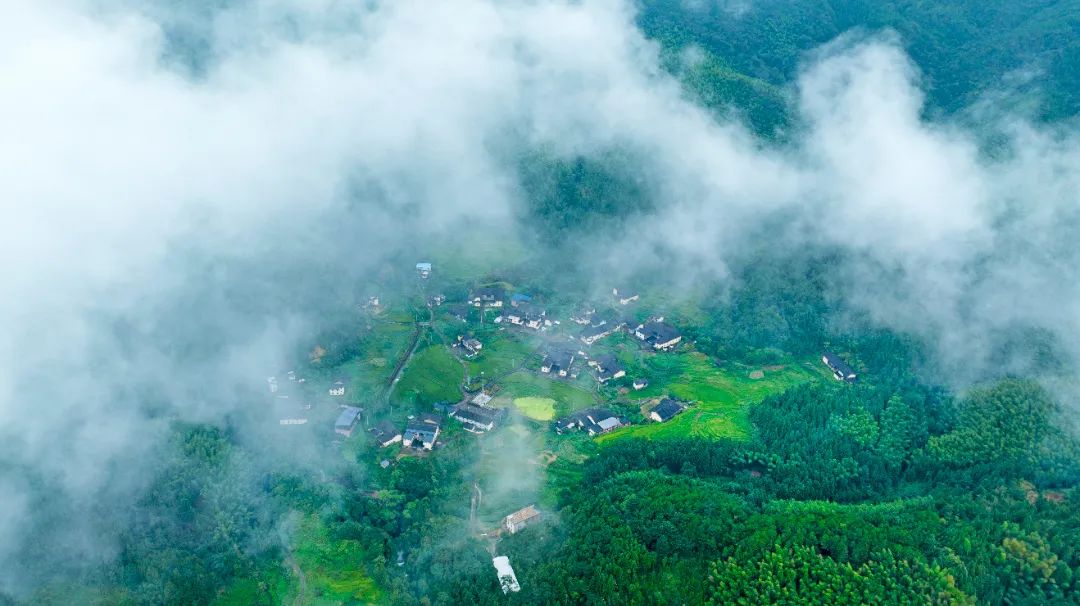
520, 310
593, 421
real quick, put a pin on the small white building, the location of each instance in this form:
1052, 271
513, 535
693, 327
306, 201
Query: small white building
424, 269
337, 388
521, 518
507, 579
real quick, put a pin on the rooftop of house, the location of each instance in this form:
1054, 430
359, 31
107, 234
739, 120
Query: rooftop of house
668, 408
658, 331
522, 515
837, 363
594, 415
347, 417
559, 358
608, 363
489, 292
596, 330
384, 430
425, 423
477, 414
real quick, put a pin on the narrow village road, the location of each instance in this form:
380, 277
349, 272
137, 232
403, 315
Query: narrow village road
420, 326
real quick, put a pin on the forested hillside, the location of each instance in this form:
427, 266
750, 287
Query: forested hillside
965, 49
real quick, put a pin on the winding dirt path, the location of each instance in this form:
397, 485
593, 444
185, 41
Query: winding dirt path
294, 566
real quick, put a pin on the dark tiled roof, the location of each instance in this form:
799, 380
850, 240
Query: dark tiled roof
481, 415
659, 332
347, 417
384, 430
560, 359
839, 366
668, 408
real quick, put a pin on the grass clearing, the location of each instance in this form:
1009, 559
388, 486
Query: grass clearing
721, 396
501, 354
567, 397
432, 375
540, 409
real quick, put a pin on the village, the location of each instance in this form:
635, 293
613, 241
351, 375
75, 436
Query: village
564, 375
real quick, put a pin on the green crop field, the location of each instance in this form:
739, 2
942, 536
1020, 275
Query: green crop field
540, 409
721, 397
432, 375
567, 396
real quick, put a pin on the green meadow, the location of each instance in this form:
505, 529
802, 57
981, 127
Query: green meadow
720, 396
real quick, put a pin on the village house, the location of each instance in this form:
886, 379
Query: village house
518, 298
558, 363
521, 518
841, 370
666, 409
337, 388
583, 314
491, 296
507, 579
469, 345
476, 418
422, 432
527, 315
593, 421
347, 419
607, 368
437, 300
640, 384
625, 296
659, 334
472, 346
424, 269
594, 333
385, 433
272, 382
